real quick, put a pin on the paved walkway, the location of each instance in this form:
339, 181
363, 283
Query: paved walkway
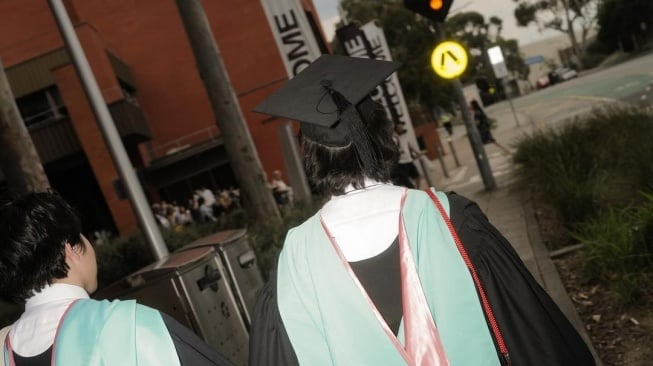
508, 207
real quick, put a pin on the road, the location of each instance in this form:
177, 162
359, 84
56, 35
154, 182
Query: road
629, 83
626, 82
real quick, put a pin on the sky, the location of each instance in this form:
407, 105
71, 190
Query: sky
328, 13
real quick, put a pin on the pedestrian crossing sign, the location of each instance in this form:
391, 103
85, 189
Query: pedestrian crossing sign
449, 59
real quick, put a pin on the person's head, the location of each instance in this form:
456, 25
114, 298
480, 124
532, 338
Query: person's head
40, 244
345, 136
474, 104
331, 169
276, 174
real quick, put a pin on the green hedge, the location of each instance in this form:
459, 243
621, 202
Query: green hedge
598, 162
120, 257
595, 173
619, 243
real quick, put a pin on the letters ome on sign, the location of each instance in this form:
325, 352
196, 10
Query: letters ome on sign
449, 59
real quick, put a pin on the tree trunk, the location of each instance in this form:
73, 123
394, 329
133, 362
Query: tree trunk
572, 36
257, 197
19, 160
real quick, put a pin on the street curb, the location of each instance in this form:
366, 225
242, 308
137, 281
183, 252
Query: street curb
550, 275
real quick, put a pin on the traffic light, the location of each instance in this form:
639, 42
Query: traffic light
433, 9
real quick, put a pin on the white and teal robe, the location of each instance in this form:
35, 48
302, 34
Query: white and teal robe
311, 313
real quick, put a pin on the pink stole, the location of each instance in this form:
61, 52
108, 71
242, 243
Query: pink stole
423, 345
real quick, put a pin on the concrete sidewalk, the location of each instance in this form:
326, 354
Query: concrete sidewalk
508, 207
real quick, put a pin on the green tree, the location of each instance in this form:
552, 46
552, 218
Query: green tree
411, 39
566, 16
624, 24
514, 59
478, 35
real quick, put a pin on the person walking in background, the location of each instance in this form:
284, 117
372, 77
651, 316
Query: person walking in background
47, 264
385, 275
444, 118
484, 127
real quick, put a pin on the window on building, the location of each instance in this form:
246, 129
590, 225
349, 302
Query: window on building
41, 106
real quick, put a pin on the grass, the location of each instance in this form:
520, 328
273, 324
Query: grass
595, 173
619, 246
598, 162
614, 59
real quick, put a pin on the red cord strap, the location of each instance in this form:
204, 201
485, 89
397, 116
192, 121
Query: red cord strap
477, 282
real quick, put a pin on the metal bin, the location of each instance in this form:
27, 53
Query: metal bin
239, 260
194, 287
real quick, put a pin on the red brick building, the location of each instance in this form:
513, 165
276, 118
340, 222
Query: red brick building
144, 65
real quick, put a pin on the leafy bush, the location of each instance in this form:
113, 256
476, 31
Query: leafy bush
590, 164
120, 257
592, 172
619, 244
267, 237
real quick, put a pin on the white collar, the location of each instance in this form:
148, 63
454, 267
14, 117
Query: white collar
36, 328
364, 222
55, 292
368, 183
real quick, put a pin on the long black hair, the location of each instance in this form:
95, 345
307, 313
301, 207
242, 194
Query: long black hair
331, 169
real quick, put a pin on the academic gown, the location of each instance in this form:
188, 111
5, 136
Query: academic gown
533, 328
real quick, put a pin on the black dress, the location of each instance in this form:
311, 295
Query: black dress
534, 329
483, 125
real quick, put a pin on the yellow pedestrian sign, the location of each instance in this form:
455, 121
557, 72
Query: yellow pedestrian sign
449, 59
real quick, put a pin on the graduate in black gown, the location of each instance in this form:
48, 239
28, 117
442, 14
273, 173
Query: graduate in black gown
384, 275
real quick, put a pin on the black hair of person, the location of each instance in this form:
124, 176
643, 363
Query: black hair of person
34, 230
331, 169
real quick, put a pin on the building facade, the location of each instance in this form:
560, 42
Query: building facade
144, 65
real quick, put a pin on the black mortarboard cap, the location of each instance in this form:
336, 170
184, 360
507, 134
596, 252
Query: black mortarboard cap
321, 95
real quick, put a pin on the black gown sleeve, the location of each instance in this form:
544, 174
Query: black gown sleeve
269, 344
534, 329
191, 349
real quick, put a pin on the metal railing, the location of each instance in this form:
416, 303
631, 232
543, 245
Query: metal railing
180, 143
56, 112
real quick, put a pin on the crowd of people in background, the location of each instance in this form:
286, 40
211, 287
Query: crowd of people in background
204, 206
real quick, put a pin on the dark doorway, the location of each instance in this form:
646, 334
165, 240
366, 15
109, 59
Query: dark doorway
73, 178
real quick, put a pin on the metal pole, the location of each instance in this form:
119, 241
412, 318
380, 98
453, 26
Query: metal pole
512, 107
453, 152
438, 148
472, 132
426, 173
293, 161
109, 131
